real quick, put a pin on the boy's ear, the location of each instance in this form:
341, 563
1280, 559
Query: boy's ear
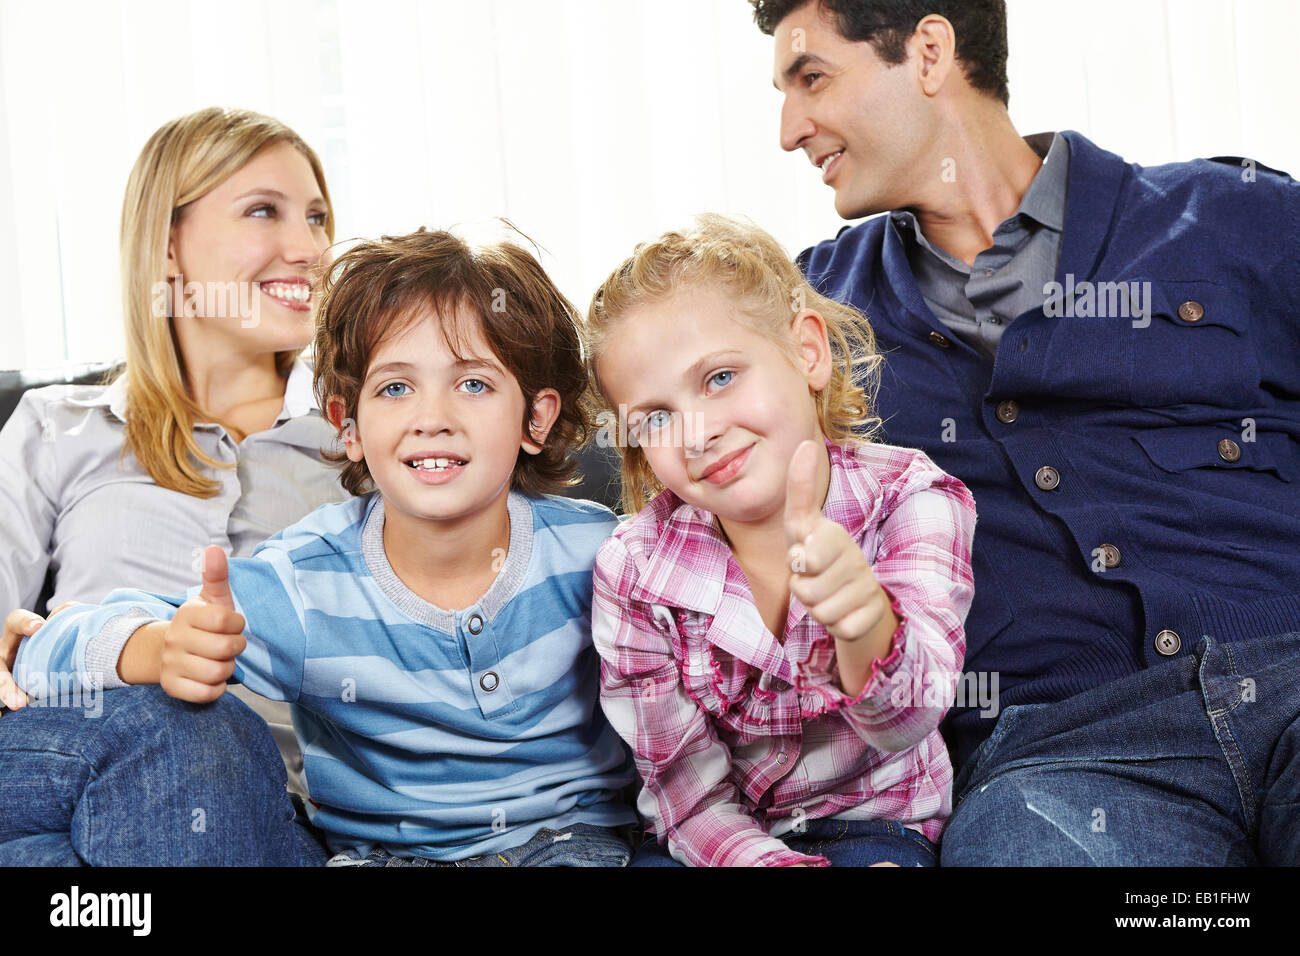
546, 409
814, 348
335, 410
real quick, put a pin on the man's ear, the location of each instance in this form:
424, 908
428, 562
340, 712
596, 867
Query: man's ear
935, 45
335, 411
546, 409
814, 348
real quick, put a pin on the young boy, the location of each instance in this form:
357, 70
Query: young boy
432, 636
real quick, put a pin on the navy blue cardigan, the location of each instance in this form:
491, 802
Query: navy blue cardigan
1134, 451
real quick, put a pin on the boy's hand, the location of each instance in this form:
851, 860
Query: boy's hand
829, 573
204, 638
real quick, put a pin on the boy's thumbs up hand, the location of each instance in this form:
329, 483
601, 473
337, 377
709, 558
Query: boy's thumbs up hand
216, 579
829, 573
204, 638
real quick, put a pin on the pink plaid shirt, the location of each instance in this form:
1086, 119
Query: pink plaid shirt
737, 736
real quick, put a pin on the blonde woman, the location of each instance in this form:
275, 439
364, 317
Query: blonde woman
209, 436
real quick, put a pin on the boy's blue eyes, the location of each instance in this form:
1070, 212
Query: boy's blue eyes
473, 386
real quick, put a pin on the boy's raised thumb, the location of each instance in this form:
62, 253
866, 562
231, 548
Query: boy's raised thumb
800, 493
216, 579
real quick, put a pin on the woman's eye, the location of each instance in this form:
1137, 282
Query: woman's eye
266, 208
395, 389
319, 219
474, 386
722, 379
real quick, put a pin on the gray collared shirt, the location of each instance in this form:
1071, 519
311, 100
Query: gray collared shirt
978, 301
69, 501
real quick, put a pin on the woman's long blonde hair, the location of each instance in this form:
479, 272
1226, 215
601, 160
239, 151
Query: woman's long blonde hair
183, 161
750, 265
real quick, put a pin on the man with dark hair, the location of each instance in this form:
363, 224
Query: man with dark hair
1108, 355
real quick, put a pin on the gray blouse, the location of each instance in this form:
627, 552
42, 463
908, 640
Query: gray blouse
70, 502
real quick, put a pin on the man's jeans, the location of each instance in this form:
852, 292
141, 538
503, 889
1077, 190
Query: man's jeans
144, 779
1193, 762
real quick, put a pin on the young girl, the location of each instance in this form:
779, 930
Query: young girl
780, 626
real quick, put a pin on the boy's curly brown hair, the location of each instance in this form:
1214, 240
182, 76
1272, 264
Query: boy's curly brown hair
379, 288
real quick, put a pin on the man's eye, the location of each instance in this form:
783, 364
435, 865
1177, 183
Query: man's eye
395, 389
722, 379
474, 386
810, 78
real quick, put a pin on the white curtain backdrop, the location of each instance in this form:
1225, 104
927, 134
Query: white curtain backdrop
591, 124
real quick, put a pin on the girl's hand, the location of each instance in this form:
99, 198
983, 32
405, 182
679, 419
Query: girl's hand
829, 573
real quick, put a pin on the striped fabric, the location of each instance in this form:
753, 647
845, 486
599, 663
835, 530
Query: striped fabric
443, 734
738, 737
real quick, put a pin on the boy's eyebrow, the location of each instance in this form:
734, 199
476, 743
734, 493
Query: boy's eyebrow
690, 374
802, 60
462, 365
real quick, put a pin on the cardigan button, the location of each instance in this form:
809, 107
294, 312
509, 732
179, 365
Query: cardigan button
1109, 555
1047, 478
1008, 411
1229, 451
1191, 311
940, 340
1168, 643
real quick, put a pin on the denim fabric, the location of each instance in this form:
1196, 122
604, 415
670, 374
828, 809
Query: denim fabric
144, 779
579, 845
1194, 762
842, 842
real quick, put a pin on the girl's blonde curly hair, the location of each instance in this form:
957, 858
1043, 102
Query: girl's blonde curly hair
769, 289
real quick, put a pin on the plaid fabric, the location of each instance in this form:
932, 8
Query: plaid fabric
740, 738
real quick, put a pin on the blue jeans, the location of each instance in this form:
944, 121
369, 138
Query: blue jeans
148, 780
1195, 762
842, 842
581, 844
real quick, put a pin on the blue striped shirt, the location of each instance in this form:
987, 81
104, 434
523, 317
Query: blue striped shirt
435, 733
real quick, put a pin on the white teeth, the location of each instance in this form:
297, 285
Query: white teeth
829, 159
435, 464
293, 291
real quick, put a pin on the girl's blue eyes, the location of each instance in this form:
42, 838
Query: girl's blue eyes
716, 378
655, 420
658, 419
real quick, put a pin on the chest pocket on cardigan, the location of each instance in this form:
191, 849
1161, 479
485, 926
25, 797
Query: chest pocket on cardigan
1190, 343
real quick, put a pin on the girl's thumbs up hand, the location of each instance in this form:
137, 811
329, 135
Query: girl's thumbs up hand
829, 573
204, 638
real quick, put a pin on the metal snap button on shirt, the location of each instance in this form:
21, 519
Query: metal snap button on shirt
781, 757
489, 681
474, 624
1229, 450
1008, 411
1168, 643
1047, 478
1191, 311
1109, 555
940, 340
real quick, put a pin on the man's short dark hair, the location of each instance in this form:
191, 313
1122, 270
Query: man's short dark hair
980, 25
